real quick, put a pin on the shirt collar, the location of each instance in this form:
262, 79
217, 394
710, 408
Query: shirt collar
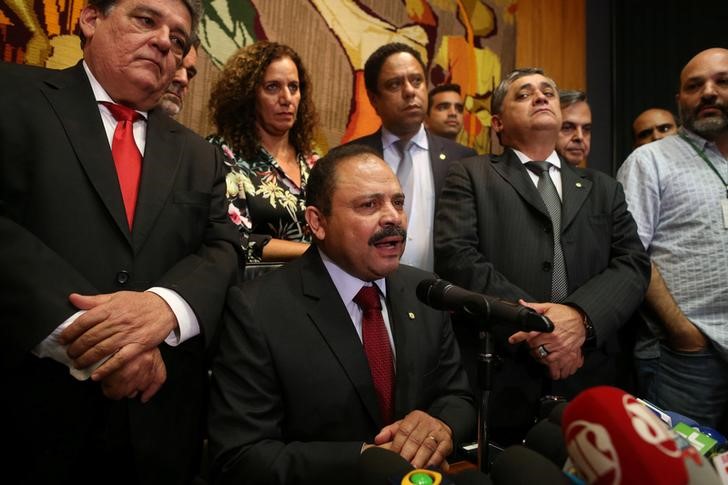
347, 285
553, 159
420, 138
700, 143
100, 93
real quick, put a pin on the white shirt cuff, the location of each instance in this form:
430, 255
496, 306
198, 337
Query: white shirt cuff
187, 324
51, 348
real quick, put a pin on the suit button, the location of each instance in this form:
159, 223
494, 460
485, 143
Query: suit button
546, 266
547, 229
122, 277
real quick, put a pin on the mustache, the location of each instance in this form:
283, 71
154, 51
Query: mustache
389, 231
711, 104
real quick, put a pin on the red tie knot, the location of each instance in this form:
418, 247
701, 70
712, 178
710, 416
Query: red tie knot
121, 112
368, 298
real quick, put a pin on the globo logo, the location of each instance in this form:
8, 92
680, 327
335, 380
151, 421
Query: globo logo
591, 448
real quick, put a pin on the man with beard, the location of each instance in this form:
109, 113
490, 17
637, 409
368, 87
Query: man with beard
575, 135
334, 353
173, 98
676, 190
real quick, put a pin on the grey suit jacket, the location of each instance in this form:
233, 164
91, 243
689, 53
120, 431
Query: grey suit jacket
63, 230
442, 152
493, 235
292, 396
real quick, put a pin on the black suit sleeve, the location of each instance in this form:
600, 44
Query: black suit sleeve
247, 411
611, 296
457, 238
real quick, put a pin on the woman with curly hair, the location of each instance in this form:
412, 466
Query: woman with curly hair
263, 109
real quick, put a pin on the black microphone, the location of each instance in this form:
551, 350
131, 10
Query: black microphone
518, 465
442, 295
547, 439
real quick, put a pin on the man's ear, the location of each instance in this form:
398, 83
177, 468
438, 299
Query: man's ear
496, 123
316, 222
373, 100
88, 19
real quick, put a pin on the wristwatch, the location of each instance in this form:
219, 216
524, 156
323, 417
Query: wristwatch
591, 336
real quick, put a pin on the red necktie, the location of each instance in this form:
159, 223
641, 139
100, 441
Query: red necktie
127, 159
377, 349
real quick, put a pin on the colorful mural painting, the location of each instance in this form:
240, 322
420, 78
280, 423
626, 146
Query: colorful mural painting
469, 42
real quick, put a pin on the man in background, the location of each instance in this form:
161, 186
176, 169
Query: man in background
676, 190
351, 360
652, 125
397, 88
574, 139
116, 253
445, 111
173, 98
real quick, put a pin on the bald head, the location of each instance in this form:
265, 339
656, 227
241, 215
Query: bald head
703, 96
653, 124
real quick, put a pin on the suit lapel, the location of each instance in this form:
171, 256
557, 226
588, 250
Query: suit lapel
329, 315
402, 318
438, 161
575, 189
512, 170
70, 95
162, 156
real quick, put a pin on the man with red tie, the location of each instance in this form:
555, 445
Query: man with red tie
334, 353
116, 253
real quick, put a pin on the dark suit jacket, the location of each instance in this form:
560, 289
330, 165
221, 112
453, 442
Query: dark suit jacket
493, 235
442, 152
63, 230
292, 396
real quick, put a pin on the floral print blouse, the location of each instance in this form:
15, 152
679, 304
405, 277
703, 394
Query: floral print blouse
262, 201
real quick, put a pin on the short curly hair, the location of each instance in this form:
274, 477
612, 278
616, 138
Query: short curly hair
233, 99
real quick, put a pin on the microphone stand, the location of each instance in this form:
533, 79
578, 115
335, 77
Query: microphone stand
486, 362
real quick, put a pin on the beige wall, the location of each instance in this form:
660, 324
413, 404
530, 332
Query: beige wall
552, 34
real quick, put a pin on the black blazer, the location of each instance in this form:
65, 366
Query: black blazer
442, 152
63, 230
292, 396
493, 235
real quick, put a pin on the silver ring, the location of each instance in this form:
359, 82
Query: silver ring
542, 352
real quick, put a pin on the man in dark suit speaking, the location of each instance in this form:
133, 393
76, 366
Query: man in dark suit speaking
525, 225
334, 353
397, 88
116, 255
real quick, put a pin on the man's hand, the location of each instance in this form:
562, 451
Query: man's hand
419, 438
123, 325
563, 344
144, 373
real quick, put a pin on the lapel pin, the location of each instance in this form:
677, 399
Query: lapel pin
442, 156
578, 184
411, 315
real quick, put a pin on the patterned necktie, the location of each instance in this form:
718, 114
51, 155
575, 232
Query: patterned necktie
550, 196
377, 349
127, 159
405, 172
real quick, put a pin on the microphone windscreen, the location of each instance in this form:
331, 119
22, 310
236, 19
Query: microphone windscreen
518, 465
546, 439
557, 413
614, 439
378, 466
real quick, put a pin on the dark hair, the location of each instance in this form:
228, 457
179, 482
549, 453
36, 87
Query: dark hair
499, 95
193, 6
374, 63
442, 88
567, 97
233, 99
322, 179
